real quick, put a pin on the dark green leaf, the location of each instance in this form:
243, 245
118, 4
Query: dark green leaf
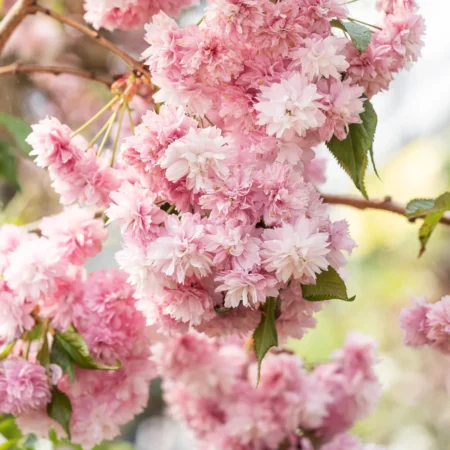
35, 333
265, 336
60, 357
329, 286
43, 355
351, 153
19, 130
337, 24
372, 159
74, 344
60, 409
8, 164
222, 310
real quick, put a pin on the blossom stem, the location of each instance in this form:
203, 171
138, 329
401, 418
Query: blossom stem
95, 117
19, 67
116, 140
107, 132
207, 118
130, 117
101, 131
363, 23
27, 351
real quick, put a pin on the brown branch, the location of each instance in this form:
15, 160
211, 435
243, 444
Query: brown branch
361, 203
13, 19
19, 67
138, 67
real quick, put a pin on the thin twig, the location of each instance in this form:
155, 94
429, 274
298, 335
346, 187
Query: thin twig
13, 19
361, 203
139, 68
19, 67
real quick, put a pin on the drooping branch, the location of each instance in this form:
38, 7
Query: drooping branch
19, 67
386, 204
13, 19
137, 66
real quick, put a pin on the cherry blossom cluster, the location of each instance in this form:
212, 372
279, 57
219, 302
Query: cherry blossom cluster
427, 324
126, 14
210, 385
44, 290
215, 193
215, 189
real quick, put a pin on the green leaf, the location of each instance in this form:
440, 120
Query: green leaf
9, 428
359, 34
432, 211
7, 350
60, 409
43, 355
427, 228
443, 201
337, 24
8, 164
265, 336
351, 153
18, 129
27, 442
419, 207
74, 344
10, 444
329, 286
63, 359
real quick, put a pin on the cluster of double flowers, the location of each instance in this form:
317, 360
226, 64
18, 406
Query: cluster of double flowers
225, 235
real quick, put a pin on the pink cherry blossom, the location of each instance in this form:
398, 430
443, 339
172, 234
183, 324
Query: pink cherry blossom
251, 289
233, 246
295, 251
76, 233
290, 104
33, 268
200, 156
322, 57
24, 386
413, 321
133, 207
182, 251
15, 316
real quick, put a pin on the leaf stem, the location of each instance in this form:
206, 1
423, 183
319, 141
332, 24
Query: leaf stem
111, 121
116, 140
363, 23
130, 117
